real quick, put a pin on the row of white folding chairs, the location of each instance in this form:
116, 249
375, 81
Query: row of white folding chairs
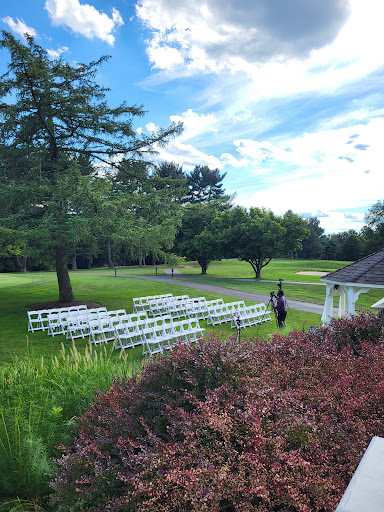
201, 307
57, 321
176, 332
224, 312
141, 303
164, 305
103, 328
98, 326
157, 334
184, 306
250, 315
38, 319
174, 306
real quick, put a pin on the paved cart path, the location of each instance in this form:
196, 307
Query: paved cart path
222, 290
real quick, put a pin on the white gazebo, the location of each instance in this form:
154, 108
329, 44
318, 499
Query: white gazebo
349, 282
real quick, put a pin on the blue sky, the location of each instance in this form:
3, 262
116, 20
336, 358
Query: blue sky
286, 97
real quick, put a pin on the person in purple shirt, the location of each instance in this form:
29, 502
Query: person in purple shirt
281, 308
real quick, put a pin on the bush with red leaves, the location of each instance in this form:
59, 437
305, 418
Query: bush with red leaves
351, 331
229, 427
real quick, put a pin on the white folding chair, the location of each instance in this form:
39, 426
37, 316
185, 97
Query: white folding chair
195, 329
100, 330
35, 322
54, 320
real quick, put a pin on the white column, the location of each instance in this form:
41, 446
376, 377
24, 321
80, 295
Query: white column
353, 294
343, 302
328, 304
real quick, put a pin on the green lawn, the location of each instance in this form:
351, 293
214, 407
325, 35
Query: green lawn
239, 275
278, 268
19, 291
232, 268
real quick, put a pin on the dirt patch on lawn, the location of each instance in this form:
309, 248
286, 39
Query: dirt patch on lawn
55, 304
312, 273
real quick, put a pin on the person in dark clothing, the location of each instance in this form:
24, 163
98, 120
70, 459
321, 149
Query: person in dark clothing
281, 308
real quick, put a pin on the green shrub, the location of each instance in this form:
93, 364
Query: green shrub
39, 405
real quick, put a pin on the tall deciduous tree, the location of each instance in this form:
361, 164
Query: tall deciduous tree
54, 114
255, 235
375, 215
197, 240
313, 244
297, 231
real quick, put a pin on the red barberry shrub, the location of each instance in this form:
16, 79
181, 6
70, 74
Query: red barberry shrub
229, 427
351, 331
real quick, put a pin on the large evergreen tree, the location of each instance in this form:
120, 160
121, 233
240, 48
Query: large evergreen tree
205, 185
51, 115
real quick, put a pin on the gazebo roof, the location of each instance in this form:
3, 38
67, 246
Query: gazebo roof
366, 271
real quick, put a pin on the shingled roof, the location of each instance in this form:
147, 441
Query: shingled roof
368, 270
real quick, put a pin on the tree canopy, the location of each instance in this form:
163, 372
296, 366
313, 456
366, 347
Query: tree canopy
52, 117
197, 239
257, 235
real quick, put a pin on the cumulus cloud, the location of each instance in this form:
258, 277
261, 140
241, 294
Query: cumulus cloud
55, 54
196, 124
19, 27
84, 19
249, 44
151, 128
219, 33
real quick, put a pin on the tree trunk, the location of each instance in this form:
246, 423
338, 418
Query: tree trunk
203, 264
65, 287
109, 254
74, 260
22, 263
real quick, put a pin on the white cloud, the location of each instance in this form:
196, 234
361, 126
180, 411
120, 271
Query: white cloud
333, 171
195, 124
187, 156
283, 47
165, 56
19, 27
55, 54
243, 115
219, 33
84, 19
151, 127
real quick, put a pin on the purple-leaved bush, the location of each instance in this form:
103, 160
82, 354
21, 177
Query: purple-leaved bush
230, 427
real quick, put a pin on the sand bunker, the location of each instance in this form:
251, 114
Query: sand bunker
312, 273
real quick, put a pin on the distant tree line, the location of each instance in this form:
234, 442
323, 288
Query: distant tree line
348, 245
150, 213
